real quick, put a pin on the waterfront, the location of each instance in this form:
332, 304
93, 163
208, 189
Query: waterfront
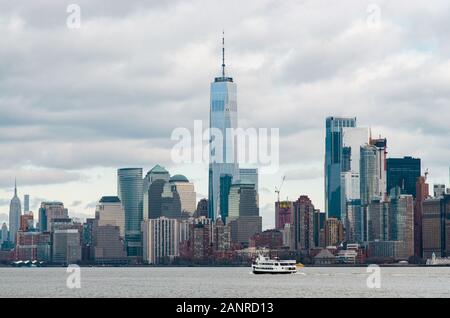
225, 282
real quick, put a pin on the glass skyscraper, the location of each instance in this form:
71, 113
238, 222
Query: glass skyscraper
223, 118
334, 163
130, 188
403, 173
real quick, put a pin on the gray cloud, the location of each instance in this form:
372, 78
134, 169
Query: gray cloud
27, 177
110, 93
4, 218
304, 174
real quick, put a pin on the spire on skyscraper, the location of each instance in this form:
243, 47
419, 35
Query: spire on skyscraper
15, 187
223, 54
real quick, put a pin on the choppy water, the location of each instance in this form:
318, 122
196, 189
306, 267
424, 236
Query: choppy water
223, 282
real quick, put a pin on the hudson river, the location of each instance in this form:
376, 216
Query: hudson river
224, 282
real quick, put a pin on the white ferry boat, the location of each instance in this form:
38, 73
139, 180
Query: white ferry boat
265, 265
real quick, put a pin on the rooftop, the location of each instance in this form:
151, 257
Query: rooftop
179, 178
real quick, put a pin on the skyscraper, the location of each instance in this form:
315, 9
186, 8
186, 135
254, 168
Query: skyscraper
401, 222
223, 118
334, 164
4, 234
304, 223
226, 181
438, 190
153, 185
381, 146
50, 211
110, 211
161, 240
66, 246
15, 211
242, 201
422, 193
368, 174
129, 188
403, 173
26, 203
186, 193
436, 227
249, 176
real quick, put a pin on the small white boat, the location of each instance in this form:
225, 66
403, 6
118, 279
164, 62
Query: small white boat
265, 265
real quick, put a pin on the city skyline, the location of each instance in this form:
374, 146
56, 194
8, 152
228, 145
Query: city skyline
66, 141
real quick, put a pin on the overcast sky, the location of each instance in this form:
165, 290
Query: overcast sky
76, 104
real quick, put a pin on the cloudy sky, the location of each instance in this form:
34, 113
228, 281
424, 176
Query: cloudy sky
78, 103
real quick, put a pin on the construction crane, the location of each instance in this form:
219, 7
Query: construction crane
278, 190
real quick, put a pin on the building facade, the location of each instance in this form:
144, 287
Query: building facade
161, 241
15, 211
223, 154
334, 163
130, 188
403, 173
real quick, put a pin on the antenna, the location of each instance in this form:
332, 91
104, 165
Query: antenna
223, 53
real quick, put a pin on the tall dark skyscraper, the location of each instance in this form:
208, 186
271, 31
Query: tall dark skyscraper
225, 185
403, 173
334, 163
130, 189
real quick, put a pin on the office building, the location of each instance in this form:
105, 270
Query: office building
3, 234
401, 222
334, 232
223, 154
186, 193
66, 247
108, 246
380, 145
438, 190
378, 220
249, 176
15, 211
354, 222
369, 174
202, 208
153, 187
436, 227
110, 211
226, 181
333, 163
403, 173
422, 193
129, 188
49, 211
161, 240
243, 228
319, 226
242, 201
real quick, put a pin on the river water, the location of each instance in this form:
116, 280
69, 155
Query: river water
224, 282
